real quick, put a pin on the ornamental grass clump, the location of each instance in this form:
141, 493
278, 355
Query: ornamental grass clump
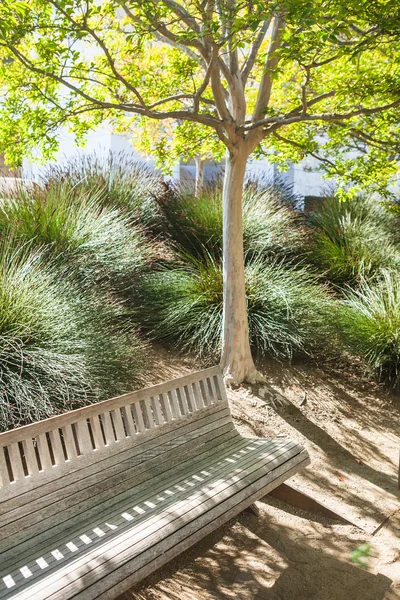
118, 180
352, 240
59, 347
370, 324
289, 311
270, 226
72, 227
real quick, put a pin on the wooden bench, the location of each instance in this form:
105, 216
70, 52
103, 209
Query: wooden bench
93, 500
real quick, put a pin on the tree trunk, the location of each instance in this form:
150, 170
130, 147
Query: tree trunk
236, 360
200, 166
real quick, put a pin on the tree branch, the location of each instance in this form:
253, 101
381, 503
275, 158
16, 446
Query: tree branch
206, 81
204, 118
329, 117
106, 52
271, 62
313, 154
249, 63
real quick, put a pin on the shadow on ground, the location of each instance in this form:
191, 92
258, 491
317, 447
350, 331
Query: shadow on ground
265, 559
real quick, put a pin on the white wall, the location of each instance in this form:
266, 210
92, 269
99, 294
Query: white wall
102, 142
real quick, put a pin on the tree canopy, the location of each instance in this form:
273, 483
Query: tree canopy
309, 78
289, 78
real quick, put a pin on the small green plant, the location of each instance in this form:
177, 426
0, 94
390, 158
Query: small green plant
352, 239
361, 555
289, 311
59, 346
370, 324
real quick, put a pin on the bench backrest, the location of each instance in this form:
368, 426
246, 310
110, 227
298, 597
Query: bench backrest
34, 454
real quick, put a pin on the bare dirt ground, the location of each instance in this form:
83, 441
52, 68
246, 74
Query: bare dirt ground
351, 428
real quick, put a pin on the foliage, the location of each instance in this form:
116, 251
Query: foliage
353, 239
70, 224
287, 307
194, 224
296, 79
59, 347
370, 323
171, 142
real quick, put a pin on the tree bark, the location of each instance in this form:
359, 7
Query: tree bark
200, 167
236, 360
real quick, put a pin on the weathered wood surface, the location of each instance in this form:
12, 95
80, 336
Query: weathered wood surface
94, 500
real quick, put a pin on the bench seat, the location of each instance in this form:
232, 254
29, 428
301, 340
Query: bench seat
106, 523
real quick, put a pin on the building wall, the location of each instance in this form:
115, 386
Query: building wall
102, 142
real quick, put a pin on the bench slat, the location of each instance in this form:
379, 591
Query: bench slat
69, 441
118, 424
137, 414
44, 452
30, 456
96, 432
4, 474
16, 462
83, 435
128, 420
174, 404
166, 409
56, 446
108, 429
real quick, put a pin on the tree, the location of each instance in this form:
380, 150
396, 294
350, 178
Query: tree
296, 76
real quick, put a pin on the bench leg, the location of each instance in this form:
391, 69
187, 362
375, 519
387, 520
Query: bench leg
254, 509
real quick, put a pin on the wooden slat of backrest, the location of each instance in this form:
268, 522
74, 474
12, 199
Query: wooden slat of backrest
118, 424
198, 395
56, 446
205, 385
182, 401
16, 462
4, 473
191, 398
128, 421
174, 404
147, 413
83, 435
166, 407
30, 456
96, 432
69, 441
44, 453
107, 428
214, 393
220, 388
155, 405
137, 415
